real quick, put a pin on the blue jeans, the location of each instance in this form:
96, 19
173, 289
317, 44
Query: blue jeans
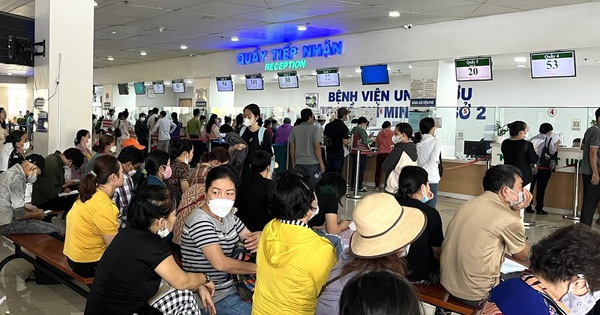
363, 167
232, 305
313, 170
434, 190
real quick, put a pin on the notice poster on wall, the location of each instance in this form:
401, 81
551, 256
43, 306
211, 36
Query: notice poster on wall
423, 92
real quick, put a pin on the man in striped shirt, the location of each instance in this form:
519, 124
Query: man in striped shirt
130, 158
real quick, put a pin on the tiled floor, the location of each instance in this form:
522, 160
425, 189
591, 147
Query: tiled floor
19, 297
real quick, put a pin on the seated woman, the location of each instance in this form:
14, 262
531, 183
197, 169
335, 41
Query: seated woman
403, 153
209, 237
182, 152
292, 261
384, 232
158, 168
83, 142
379, 292
13, 151
106, 145
330, 190
424, 257
252, 200
563, 277
92, 222
217, 156
129, 274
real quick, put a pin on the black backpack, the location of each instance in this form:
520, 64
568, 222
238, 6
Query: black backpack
546, 159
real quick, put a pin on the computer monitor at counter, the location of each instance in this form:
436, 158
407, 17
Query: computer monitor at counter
477, 148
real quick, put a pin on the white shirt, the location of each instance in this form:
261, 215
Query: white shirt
165, 126
5, 156
428, 157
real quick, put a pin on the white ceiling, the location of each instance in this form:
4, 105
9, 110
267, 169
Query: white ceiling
124, 28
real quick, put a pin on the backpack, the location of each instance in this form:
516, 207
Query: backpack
261, 133
546, 158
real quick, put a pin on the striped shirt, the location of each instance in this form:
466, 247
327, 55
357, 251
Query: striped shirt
201, 230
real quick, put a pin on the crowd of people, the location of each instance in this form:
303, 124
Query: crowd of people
186, 230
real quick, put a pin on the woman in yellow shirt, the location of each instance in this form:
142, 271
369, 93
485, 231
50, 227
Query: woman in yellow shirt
293, 262
92, 222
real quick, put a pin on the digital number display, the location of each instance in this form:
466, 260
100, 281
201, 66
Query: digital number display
254, 82
288, 80
328, 77
473, 69
178, 86
158, 87
559, 64
224, 84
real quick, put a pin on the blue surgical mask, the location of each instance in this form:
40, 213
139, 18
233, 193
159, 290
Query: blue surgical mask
424, 199
580, 304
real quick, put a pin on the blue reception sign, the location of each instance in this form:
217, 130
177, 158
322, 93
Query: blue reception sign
289, 56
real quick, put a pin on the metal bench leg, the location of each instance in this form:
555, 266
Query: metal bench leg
8, 259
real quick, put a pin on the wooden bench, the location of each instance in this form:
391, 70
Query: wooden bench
49, 250
436, 294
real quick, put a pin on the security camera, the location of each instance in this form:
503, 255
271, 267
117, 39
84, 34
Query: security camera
192, 55
407, 26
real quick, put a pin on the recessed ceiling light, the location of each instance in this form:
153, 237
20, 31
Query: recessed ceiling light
302, 27
597, 60
110, 58
183, 47
349, 75
95, 3
234, 39
409, 66
520, 66
520, 59
313, 73
9, 73
143, 53
113, 32
394, 13
357, 70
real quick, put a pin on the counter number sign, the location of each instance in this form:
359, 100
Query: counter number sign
552, 112
473, 69
553, 64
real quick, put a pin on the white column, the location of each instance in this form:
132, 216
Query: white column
64, 76
446, 108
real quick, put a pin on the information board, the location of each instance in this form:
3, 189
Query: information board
328, 77
158, 87
224, 84
178, 86
473, 69
288, 80
254, 82
558, 64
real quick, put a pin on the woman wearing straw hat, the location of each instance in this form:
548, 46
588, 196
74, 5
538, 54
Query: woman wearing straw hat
384, 232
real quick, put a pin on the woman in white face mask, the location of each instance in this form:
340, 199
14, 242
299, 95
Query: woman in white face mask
429, 153
182, 152
563, 277
209, 236
83, 142
14, 149
403, 154
255, 136
105, 145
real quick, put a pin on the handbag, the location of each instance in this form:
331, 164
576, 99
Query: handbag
118, 131
244, 284
357, 143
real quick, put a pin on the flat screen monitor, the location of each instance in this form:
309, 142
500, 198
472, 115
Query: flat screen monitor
328, 77
288, 80
477, 148
140, 88
224, 84
123, 89
178, 86
376, 74
254, 82
553, 64
158, 87
473, 69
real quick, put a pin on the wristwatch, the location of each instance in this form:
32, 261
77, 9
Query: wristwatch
206, 278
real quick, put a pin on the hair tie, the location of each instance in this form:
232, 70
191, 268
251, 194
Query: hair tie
93, 174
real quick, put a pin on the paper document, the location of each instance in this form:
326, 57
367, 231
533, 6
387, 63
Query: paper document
73, 192
510, 265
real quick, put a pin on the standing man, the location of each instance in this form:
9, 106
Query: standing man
305, 146
193, 132
481, 232
152, 119
589, 169
337, 137
165, 127
141, 130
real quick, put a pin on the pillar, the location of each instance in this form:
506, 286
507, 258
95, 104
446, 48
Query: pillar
64, 76
446, 108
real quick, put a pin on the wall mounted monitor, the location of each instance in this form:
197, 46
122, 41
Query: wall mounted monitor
376, 74
224, 84
178, 86
140, 88
553, 64
123, 89
473, 69
158, 87
328, 77
288, 80
254, 82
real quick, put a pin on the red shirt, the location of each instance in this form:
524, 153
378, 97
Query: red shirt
384, 141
